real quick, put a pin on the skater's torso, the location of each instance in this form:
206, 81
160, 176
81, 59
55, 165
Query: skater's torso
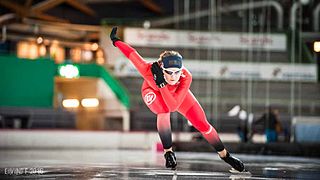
178, 97
149, 82
182, 85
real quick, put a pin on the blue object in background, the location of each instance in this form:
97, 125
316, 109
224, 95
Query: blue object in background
307, 133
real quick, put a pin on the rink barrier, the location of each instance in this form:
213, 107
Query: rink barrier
65, 139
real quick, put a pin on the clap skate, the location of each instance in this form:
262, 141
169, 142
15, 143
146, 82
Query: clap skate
171, 161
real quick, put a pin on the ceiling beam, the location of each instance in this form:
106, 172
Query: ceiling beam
45, 31
104, 1
62, 41
45, 5
23, 12
20, 10
149, 4
28, 4
65, 26
47, 17
82, 7
7, 17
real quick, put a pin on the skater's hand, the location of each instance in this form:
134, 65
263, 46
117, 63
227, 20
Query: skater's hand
113, 35
158, 75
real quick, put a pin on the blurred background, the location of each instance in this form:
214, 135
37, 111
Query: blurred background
254, 64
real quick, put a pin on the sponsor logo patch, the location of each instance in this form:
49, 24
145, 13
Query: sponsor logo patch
149, 98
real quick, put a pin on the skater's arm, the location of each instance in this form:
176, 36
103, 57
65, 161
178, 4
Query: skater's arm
141, 65
174, 100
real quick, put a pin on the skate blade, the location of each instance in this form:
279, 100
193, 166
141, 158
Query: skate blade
172, 168
175, 174
244, 172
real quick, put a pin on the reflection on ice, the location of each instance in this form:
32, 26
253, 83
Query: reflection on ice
135, 164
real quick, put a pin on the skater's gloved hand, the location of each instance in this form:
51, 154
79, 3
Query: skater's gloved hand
158, 75
113, 35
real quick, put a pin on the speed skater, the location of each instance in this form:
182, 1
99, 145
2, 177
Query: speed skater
166, 89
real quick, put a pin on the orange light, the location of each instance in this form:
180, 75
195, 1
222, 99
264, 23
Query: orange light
100, 61
94, 47
87, 46
57, 53
99, 57
23, 50
76, 54
42, 50
33, 51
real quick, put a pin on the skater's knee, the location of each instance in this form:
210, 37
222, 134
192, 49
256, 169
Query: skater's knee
159, 110
163, 115
204, 129
163, 121
209, 130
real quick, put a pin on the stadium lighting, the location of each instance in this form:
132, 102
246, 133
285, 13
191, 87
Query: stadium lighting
70, 103
316, 46
90, 102
68, 71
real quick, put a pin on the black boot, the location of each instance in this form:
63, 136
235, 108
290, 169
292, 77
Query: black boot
236, 163
171, 161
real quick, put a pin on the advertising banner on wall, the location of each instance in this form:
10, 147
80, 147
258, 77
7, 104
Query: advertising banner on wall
235, 70
207, 40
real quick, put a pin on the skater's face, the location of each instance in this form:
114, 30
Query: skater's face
172, 75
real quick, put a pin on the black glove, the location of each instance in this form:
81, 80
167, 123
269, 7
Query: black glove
158, 75
113, 35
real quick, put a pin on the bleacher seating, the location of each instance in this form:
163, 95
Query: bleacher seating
33, 118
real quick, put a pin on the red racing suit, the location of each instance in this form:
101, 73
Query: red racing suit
171, 98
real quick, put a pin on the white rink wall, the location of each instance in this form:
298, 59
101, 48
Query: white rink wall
56, 139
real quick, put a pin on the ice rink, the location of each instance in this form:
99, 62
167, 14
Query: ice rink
138, 164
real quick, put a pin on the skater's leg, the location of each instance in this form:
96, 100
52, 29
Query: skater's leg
198, 119
164, 130
155, 103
